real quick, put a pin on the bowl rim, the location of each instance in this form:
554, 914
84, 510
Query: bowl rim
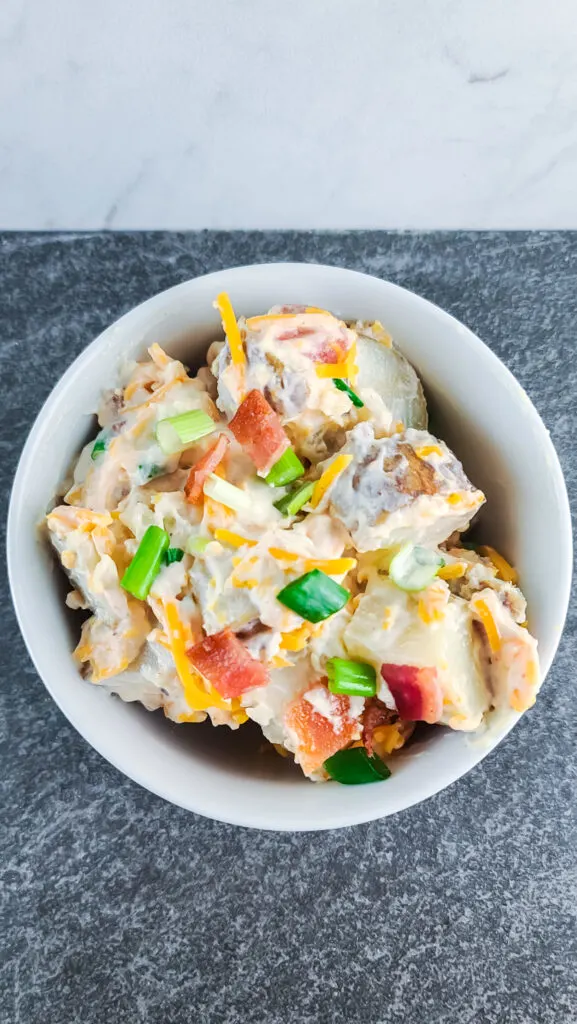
481, 351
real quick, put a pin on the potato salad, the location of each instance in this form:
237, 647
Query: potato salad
278, 539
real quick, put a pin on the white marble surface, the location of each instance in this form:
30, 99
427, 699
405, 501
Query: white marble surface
311, 114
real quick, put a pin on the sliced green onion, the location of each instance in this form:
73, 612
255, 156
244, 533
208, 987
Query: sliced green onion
414, 567
229, 495
343, 386
143, 569
354, 767
293, 502
196, 545
173, 555
355, 678
178, 432
98, 448
288, 468
314, 596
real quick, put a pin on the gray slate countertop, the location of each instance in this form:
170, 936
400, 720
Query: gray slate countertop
121, 909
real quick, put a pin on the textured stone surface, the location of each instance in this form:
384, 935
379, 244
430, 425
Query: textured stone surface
118, 907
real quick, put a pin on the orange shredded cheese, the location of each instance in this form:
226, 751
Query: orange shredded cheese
197, 698
327, 370
332, 566
504, 570
231, 329
337, 466
289, 556
254, 321
250, 584
298, 639
429, 612
279, 662
428, 449
455, 498
452, 571
234, 540
489, 625
389, 738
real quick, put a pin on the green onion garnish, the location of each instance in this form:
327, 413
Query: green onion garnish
343, 386
293, 502
354, 767
288, 468
226, 493
143, 569
196, 545
98, 448
178, 432
173, 555
314, 596
355, 678
414, 567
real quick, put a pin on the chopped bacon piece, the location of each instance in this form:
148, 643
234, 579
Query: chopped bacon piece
258, 429
416, 691
295, 332
206, 465
226, 663
375, 714
320, 737
332, 350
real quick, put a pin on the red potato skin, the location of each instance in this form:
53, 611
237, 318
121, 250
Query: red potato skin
225, 662
257, 427
416, 691
203, 468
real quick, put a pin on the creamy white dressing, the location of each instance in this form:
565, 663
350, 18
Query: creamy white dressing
401, 484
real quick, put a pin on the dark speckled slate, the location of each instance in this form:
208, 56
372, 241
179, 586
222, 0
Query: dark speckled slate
119, 908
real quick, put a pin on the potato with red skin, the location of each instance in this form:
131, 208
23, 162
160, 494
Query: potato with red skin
227, 665
416, 692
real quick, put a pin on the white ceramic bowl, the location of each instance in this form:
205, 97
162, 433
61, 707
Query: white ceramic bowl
478, 407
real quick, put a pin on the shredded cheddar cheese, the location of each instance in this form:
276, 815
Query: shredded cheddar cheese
337, 466
298, 639
234, 540
428, 449
255, 321
231, 329
504, 570
331, 566
429, 612
455, 498
452, 571
159, 356
197, 698
289, 556
328, 370
279, 662
489, 625
381, 335
388, 738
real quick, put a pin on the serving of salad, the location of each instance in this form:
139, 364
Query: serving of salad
278, 539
